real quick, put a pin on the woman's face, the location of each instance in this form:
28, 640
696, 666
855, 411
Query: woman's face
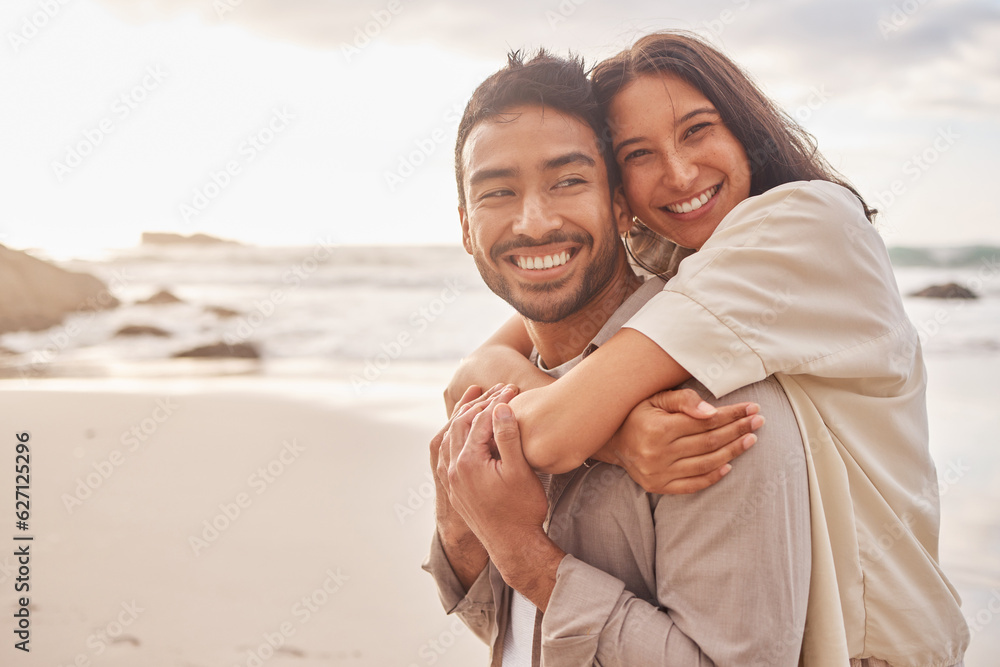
682, 169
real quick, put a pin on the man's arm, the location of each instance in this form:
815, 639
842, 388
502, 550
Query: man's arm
457, 561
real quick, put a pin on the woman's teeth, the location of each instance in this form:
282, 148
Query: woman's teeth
695, 203
546, 262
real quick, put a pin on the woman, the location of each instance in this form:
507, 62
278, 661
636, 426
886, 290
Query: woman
789, 279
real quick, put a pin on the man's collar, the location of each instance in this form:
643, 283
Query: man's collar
625, 312
622, 314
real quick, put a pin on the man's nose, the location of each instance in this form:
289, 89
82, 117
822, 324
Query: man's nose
536, 217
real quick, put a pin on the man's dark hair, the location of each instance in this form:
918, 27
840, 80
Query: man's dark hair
544, 80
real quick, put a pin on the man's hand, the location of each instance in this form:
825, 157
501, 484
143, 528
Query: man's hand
465, 553
501, 499
674, 442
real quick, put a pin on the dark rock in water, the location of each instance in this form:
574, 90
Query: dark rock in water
161, 297
37, 295
947, 291
141, 330
222, 311
221, 351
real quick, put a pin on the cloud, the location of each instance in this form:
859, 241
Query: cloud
929, 57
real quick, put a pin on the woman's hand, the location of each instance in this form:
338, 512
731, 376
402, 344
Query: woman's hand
674, 442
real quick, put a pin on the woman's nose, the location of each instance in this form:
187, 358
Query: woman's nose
679, 171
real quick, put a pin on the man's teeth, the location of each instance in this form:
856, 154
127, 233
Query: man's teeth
695, 203
546, 262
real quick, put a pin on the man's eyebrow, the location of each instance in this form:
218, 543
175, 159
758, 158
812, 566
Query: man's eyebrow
490, 174
569, 158
683, 119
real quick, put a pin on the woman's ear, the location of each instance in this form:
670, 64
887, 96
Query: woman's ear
622, 212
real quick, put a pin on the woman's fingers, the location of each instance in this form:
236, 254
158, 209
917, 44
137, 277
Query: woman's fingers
695, 484
462, 423
710, 441
471, 394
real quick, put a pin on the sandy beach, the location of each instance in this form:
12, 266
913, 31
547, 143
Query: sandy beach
226, 527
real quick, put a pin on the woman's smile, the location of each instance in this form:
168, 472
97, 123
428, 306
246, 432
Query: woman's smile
682, 169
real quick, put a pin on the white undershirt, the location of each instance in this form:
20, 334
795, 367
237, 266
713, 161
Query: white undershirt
520, 632
520, 636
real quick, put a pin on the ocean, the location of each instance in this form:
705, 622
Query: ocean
324, 310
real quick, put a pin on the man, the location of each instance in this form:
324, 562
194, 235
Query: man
585, 567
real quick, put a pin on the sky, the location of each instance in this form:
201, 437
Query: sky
282, 122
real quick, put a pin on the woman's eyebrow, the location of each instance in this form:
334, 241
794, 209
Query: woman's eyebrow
691, 114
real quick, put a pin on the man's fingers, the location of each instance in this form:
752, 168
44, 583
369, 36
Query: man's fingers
508, 436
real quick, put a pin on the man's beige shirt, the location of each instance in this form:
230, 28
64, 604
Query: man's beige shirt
719, 577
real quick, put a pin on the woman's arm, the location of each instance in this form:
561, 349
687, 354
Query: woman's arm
565, 423
502, 358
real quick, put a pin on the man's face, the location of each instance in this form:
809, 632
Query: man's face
538, 218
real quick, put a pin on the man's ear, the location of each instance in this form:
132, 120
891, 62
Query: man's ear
463, 218
622, 212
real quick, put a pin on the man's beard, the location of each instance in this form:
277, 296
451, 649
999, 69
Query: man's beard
529, 299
